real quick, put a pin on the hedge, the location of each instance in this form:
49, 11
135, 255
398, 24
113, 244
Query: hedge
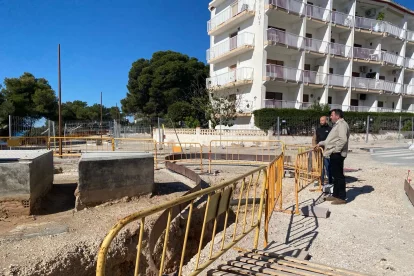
303, 122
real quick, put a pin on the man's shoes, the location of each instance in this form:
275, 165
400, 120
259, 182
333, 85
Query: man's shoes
338, 201
330, 198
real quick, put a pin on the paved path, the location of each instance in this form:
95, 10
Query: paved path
394, 156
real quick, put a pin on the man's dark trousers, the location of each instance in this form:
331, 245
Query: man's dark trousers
337, 170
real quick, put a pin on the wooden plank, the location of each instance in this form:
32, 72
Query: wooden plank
409, 191
312, 264
294, 265
215, 272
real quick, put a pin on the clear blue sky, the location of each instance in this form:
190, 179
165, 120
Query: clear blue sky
99, 40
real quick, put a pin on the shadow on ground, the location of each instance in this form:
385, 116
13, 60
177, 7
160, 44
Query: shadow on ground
60, 199
169, 188
353, 192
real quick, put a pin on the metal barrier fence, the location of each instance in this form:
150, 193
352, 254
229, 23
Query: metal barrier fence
291, 152
235, 151
308, 169
236, 197
23, 143
184, 152
274, 195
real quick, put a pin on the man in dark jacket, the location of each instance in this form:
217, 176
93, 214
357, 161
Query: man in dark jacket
320, 135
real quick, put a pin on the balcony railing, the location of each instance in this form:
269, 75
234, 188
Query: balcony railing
314, 77
359, 108
269, 103
230, 44
391, 58
369, 24
316, 45
364, 83
280, 37
343, 19
316, 12
340, 50
338, 80
366, 54
229, 12
409, 89
240, 74
391, 86
410, 35
283, 73
409, 63
293, 6
393, 30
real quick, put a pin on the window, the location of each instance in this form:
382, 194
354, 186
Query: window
330, 70
233, 41
380, 104
329, 100
276, 62
357, 45
382, 77
305, 98
307, 67
354, 102
356, 74
332, 40
274, 96
308, 41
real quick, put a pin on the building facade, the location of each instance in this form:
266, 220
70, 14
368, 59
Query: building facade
353, 55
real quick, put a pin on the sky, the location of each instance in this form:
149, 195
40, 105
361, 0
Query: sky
99, 40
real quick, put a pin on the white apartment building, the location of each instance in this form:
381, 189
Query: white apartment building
354, 55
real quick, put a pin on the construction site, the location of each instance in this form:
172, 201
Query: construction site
99, 205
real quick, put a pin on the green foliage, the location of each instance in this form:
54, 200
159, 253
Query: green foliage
179, 111
27, 96
380, 16
191, 122
166, 78
407, 126
223, 110
323, 108
80, 111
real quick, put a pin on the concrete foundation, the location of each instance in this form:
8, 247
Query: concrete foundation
26, 176
106, 176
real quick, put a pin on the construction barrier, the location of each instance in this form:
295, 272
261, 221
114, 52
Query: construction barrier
244, 152
274, 195
23, 143
234, 201
183, 152
291, 151
308, 170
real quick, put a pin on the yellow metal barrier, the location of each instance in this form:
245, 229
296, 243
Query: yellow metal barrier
23, 143
234, 201
274, 198
291, 151
134, 144
308, 169
183, 152
74, 146
244, 151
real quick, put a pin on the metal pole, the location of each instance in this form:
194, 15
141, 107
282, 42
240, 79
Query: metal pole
10, 128
48, 129
60, 103
278, 128
366, 137
159, 131
101, 116
399, 129
412, 130
220, 126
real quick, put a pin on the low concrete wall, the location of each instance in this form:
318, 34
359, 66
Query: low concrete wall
105, 176
25, 178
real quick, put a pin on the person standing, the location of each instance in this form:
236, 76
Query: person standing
321, 134
336, 148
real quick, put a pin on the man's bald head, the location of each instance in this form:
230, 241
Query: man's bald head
323, 120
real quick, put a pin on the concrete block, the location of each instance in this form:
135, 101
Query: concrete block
26, 176
314, 211
106, 176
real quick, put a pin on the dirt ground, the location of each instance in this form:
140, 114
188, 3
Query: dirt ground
373, 233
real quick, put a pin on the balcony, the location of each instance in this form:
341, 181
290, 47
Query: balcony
238, 77
291, 6
390, 86
365, 54
371, 25
269, 103
340, 50
393, 30
392, 58
409, 63
342, 19
359, 108
338, 80
312, 77
409, 89
317, 13
275, 36
367, 84
410, 36
231, 16
281, 73
230, 47
316, 45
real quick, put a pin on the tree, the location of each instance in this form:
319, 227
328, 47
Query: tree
223, 110
156, 83
80, 111
28, 96
316, 106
